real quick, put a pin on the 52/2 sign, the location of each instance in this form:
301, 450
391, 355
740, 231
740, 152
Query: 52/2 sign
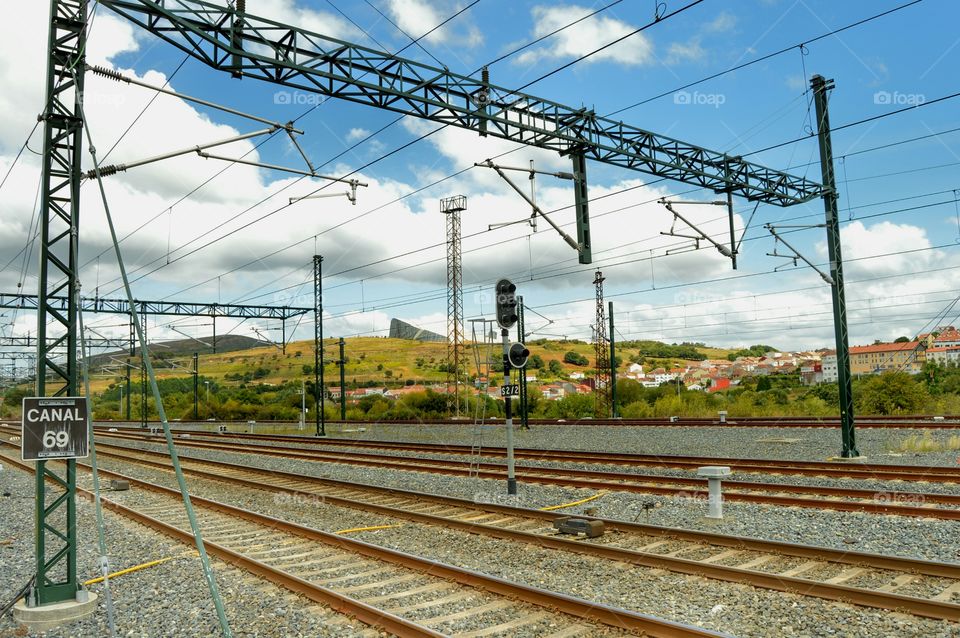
54, 428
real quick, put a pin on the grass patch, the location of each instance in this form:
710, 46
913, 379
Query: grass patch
925, 443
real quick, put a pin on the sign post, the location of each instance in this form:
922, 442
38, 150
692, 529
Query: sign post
54, 428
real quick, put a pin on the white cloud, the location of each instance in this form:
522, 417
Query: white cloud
859, 242
416, 17
725, 21
689, 51
584, 37
355, 134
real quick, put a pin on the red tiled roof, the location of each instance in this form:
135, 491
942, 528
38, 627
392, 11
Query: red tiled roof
885, 347
948, 334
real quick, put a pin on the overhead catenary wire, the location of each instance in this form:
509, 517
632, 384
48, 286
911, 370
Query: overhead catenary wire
545, 268
422, 137
766, 57
175, 461
866, 120
301, 116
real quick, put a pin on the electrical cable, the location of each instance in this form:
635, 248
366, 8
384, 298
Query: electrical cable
865, 120
765, 57
144, 109
562, 67
194, 526
392, 152
16, 597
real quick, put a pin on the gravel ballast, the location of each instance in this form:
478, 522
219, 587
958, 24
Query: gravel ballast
170, 599
896, 535
736, 609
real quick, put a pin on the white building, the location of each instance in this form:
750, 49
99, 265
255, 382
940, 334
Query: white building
829, 366
944, 354
663, 377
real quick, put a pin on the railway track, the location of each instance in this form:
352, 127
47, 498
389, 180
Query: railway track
866, 422
880, 501
400, 593
832, 469
918, 587
947, 422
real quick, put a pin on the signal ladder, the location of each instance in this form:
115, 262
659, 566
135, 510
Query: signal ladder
483, 359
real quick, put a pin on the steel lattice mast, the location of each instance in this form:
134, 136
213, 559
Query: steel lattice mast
820, 86
56, 535
451, 207
318, 397
601, 386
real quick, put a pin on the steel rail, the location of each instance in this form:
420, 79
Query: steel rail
849, 469
366, 614
884, 501
950, 422
833, 469
767, 580
570, 605
879, 561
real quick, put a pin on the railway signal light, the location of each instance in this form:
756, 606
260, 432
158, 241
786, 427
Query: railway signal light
506, 304
517, 355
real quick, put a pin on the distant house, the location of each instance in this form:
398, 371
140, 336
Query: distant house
552, 391
828, 366
882, 357
635, 368
811, 372
718, 383
948, 336
405, 390
943, 354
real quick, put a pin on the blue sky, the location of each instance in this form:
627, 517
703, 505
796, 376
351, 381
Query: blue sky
898, 202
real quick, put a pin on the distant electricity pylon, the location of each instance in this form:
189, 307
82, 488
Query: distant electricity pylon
601, 386
452, 207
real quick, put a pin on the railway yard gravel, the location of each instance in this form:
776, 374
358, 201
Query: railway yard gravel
167, 600
878, 445
737, 609
896, 535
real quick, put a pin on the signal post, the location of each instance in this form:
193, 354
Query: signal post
514, 356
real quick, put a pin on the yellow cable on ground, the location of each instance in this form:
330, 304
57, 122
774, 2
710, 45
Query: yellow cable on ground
135, 568
365, 529
550, 508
